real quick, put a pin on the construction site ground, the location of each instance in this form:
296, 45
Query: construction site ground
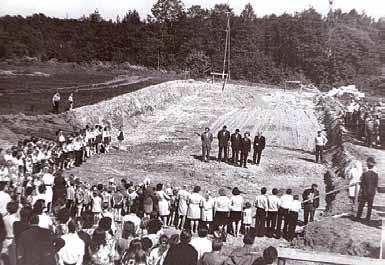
161, 126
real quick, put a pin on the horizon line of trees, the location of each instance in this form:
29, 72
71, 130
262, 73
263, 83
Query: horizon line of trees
337, 49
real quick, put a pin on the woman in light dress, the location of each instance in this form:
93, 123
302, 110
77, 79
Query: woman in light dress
354, 173
207, 207
194, 210
182, 198
163, 204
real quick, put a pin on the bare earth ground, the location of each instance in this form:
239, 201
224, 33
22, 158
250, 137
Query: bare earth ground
163, 144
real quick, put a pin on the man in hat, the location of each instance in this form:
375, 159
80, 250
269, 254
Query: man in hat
235, 146
258, 146
320, 142
206, 138
223, 142
369, 185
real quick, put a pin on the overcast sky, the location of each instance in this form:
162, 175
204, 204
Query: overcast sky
112, 8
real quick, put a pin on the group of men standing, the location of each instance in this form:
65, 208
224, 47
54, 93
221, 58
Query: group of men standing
56, 102
240, 146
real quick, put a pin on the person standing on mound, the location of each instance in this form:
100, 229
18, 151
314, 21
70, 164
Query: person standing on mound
369, 185
207, 138
120, 137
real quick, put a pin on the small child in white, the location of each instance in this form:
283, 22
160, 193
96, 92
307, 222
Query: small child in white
247, 217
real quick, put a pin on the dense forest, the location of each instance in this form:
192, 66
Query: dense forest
337, 49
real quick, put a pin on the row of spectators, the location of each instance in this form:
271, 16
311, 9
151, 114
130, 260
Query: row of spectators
44, 214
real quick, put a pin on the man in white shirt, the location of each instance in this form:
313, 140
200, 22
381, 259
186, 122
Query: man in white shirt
202, 244
4, 198
273, 205
73, 251
294, 209
283, 212
261, 204
320, 142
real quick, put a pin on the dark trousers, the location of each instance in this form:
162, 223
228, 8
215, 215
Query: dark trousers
362, 201
257, 156
272, 222
55, 107
292, 223
235, 155
244, 156
282, 217
223, 149
309, 211
205, 153
319, 150
78, 157
260, 220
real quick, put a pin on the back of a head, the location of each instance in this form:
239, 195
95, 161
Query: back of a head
34, 219
105, 223
135, 246
248, 239
185, 237
87, 220
270, 255
146, 243
12, 207
263, 191
63, 215
128, 230
39, 206
26, 214
202, 231
217, 244
71, 226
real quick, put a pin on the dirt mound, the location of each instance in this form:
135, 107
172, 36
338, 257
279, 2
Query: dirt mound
344, 236
126, 110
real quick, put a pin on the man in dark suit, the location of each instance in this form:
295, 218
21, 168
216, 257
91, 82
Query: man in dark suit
235, 146
369, 185
207, 138
38, 246
245, 149
311, 203
258, 146
223, 142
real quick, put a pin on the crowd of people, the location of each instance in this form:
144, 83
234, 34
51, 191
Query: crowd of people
364, 121
50, 217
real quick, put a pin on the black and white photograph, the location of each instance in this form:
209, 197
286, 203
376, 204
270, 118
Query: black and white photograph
192, 132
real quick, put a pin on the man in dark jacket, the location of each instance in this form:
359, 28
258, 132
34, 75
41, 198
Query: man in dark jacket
207, 138
183, 253
235, 146
38, 246
310, 203
369, 185
245, 149
258, 146
223, 142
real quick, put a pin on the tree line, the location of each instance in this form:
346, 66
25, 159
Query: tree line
339, 48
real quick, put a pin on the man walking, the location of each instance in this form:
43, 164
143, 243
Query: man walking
55, 103
258, 146
235, 146
245, 149
310, 202
207, 138
369, 185
320, 142
223, 142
